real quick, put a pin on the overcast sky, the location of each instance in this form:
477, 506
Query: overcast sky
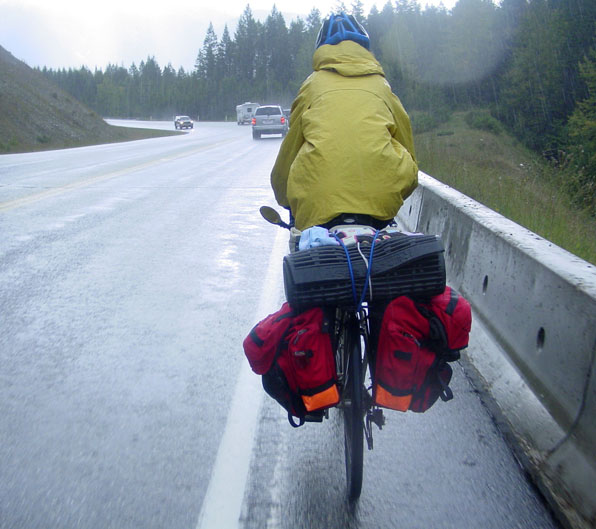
93, 33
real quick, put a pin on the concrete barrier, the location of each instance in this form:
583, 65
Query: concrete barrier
533, 347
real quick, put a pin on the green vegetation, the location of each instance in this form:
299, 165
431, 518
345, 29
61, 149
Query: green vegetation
498, 171
36, 115
426, 121
482, 120
580, 160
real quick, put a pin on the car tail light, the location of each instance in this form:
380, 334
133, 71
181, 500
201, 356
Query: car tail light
253, 121
283, 120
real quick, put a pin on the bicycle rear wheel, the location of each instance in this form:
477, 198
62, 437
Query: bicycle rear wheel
353, 410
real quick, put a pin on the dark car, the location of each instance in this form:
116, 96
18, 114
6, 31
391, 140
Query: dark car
183, 122
269, 119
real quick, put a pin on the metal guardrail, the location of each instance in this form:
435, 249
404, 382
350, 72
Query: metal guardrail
535, 304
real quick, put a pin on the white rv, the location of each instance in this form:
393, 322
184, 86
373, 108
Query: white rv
245, 112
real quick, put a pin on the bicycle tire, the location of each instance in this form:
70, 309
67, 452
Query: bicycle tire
353, 411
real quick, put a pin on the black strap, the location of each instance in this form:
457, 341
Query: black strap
437, 341
255, 337
453, 299
446, 393
293, 423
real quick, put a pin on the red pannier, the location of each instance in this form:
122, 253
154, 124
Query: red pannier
294, 354
416, 341
262, 342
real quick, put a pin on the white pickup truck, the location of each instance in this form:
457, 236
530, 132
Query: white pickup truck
245, 112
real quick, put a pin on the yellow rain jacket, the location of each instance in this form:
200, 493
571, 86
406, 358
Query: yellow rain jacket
349, 148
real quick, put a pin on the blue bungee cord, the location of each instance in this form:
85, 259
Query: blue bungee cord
349, 267
357, 304
368, 269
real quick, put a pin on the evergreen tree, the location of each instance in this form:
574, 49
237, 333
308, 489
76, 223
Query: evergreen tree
377, 26
133, 92
313, 22
306, 48
358, 10
225, 76
150, 88
205, 63
224, 55
339, 7
205, 69
300, 56
169, 102
277, 53
582, 132
531, 93
245, 55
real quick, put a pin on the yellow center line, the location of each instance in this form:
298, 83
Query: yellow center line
36, 197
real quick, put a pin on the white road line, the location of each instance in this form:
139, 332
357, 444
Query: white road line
223, 501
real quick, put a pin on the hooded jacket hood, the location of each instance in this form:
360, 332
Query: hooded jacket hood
346, 58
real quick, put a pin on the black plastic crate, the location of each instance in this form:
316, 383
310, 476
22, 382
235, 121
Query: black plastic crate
402, 265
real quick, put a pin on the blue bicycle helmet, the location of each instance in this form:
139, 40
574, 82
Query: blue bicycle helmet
338, 28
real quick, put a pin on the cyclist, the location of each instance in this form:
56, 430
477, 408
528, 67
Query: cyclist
349, 150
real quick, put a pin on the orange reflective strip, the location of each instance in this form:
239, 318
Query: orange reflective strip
324, 399
387, 400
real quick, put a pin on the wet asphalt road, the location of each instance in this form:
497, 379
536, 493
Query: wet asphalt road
129, 276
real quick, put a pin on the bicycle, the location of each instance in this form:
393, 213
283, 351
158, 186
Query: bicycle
406, 265
354, 376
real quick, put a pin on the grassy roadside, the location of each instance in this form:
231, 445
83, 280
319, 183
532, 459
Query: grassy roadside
36, 115
111, 134
492, 168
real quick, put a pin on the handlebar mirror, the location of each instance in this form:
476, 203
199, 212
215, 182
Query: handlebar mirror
272, 216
